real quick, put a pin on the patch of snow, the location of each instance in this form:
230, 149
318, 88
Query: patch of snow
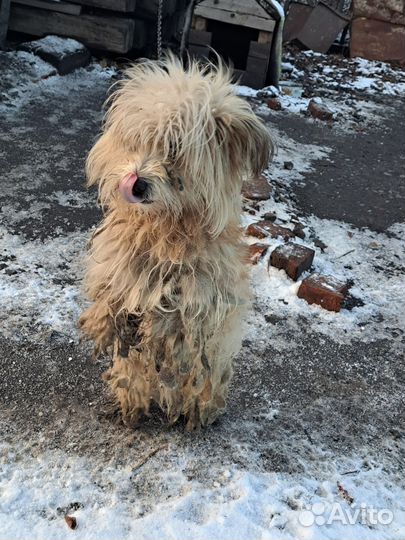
45, 277
37, 491
57, 45
245, 91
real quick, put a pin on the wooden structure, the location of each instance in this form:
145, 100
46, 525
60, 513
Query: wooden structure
239, 30
114, 25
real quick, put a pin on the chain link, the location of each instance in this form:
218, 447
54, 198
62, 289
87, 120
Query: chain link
159, 29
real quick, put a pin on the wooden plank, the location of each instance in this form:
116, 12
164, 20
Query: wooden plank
264, 37
259, 50
199, 23
113, 5
248, 7
61, 7
115, 34
199, 37
234, 12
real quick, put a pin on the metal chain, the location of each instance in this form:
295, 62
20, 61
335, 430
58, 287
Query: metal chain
159, 29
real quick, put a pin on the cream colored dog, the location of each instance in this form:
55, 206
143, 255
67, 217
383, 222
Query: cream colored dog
167, 268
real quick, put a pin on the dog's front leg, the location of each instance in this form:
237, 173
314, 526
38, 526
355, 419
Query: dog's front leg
97, 324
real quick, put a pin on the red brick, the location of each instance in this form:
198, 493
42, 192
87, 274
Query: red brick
326, 291
71, 522
320, 111
293, 258
274, 104
256, 251
265, 228
257, 189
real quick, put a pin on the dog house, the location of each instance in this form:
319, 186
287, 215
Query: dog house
240, 31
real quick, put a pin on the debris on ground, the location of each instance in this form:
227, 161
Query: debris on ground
257, 189
71, 522
326, 291
293, 258
320, 111
256, 252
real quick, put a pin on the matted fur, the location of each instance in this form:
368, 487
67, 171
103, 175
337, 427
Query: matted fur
168, 280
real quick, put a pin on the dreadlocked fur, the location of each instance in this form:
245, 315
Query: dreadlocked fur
168, 279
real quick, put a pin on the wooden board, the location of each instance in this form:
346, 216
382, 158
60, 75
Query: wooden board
243, 13
113, 5
61, 7
111, 33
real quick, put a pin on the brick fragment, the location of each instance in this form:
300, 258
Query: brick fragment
326, 291
257, 189
293, 258
256, 252
274, 104
71, 522
265, 228
320, 111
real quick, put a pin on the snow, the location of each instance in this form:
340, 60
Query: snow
57, 45
36, 492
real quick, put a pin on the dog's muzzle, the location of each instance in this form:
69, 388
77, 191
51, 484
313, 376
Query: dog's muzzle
134, 189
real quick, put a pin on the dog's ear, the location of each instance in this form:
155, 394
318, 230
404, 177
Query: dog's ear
249, 142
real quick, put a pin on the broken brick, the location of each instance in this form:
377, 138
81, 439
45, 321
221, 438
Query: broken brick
71, 522
326, 291
257, 189
274, 104
293, 258
256, 252
265, 228
320, 111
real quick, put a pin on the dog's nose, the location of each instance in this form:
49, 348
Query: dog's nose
140, 188
133, 189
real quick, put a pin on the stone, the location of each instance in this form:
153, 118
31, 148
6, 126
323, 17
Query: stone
64, 54
257, 189
256, 252
71, 522
269, 216
274, 104
320, 111
293, 258
299, 230
264, 228
324, 290
288, 165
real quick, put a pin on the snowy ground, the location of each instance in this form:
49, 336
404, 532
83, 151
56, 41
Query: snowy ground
314, 412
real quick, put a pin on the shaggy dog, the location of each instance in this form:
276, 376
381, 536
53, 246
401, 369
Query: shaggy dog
167, 270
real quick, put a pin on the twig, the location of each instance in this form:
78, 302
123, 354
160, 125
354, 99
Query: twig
344, 254
146, 458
